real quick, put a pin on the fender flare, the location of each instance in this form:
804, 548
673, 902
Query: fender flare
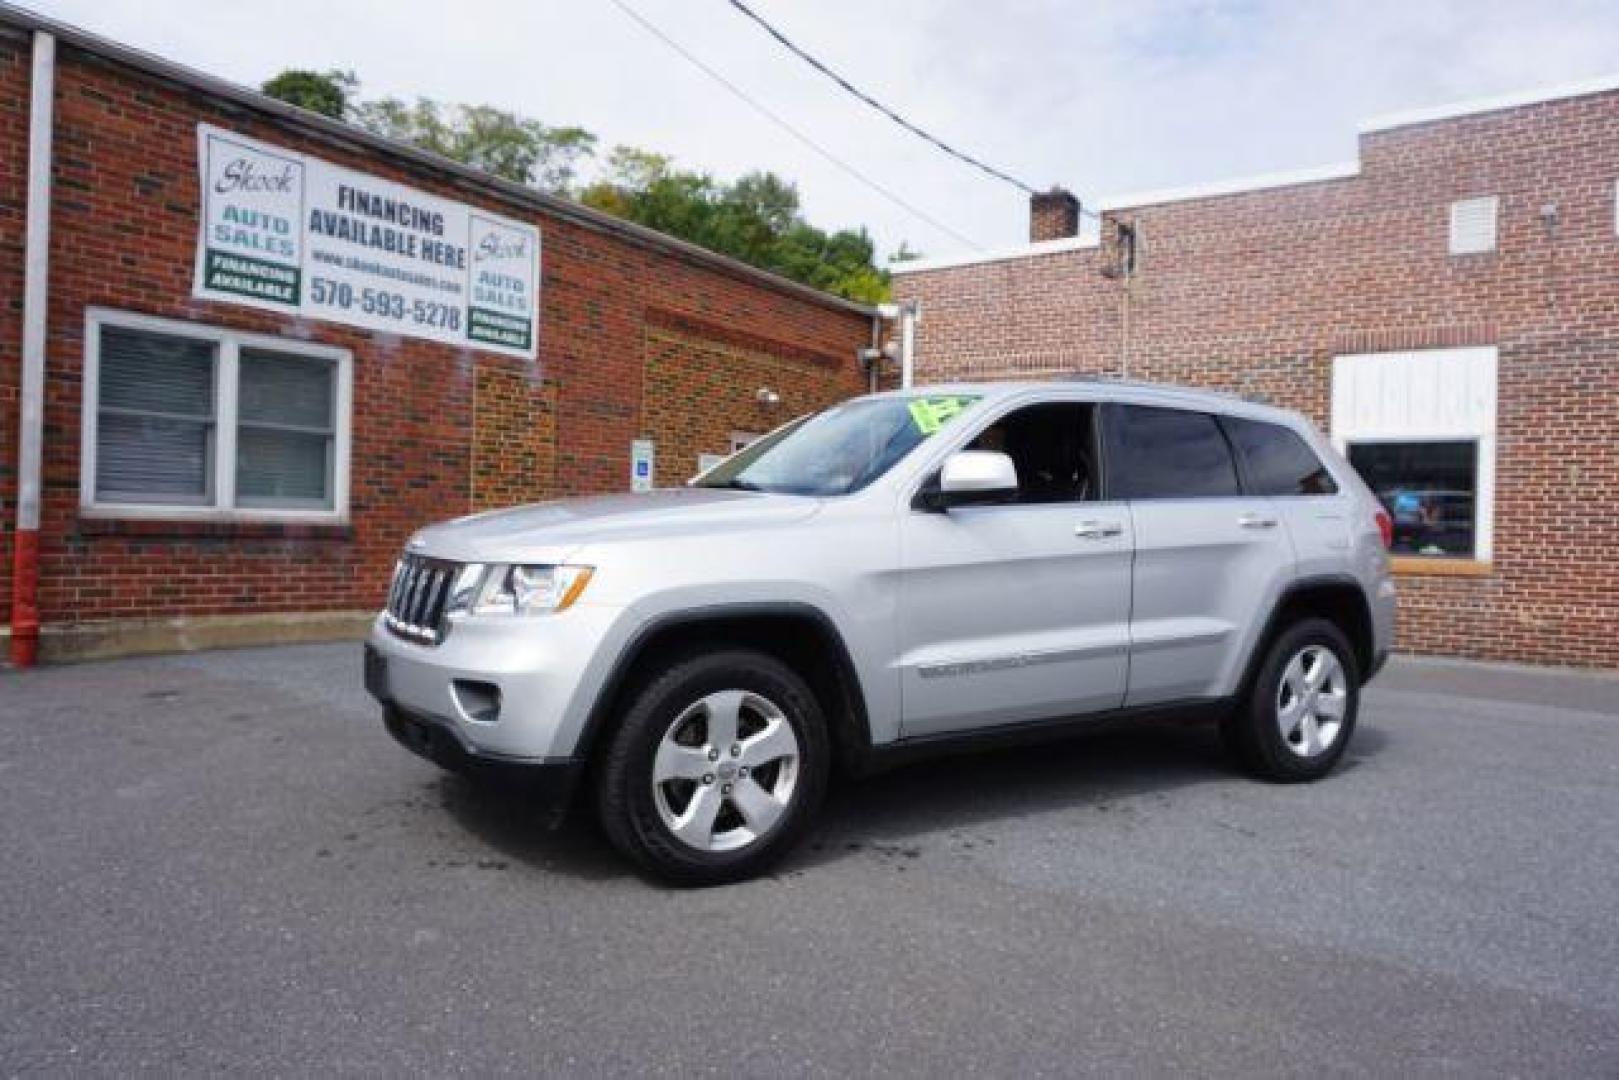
1272, 625
851, 733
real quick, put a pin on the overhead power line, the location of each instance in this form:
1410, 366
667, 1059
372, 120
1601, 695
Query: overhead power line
782, 123
879, 106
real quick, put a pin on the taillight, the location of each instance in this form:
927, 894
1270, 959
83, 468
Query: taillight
1385, 526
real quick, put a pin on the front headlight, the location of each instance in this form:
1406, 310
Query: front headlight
531, 590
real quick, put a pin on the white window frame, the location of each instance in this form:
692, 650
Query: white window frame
1462, 206
741, 440
228, 344
1459, 388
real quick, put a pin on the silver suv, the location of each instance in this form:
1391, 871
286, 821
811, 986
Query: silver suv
898, 574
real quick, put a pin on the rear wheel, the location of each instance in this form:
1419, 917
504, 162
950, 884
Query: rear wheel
1301, 709
716, 768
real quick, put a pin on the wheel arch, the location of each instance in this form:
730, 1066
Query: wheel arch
1337, 598
800, 635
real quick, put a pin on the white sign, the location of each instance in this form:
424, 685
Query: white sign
289, 232
642, 464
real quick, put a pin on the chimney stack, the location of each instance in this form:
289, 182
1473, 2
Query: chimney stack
1053, 215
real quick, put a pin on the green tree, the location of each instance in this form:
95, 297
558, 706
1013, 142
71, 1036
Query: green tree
756, 219
629, 172
327, 93
499, 142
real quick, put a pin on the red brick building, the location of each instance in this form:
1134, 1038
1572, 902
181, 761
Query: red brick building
1446, 306
220, 472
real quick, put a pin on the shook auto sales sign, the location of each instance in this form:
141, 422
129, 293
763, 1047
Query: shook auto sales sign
289, 232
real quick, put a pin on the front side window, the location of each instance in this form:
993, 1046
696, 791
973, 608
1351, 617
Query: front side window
185, 419
1159, 453
840, 450
1430, 489
1051, 446
1276, 461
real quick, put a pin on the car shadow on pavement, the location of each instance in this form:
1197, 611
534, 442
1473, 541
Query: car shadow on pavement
895, 813
505, 819
1113, 771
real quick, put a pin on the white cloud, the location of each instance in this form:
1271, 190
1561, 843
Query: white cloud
1102, 96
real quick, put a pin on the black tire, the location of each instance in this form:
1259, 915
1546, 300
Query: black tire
625, 796
1252, 731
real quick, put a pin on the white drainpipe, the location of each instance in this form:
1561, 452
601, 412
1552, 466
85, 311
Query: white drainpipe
909, 311
31, 407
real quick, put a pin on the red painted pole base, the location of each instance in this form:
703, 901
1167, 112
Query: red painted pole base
25, 598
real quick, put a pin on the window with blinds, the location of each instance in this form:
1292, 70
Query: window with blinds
284, 431
190, 419
155, 419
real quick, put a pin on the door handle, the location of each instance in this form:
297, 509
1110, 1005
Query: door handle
1098, 530
1257, 521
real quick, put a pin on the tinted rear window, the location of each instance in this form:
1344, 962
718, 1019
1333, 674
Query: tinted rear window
1277, 461
1155, 453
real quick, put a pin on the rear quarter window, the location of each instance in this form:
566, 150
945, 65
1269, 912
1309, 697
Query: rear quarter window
1276, 460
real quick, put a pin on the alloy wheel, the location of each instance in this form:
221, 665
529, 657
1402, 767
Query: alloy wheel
725, 771
1312, 701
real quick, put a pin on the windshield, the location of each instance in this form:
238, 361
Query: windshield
840, 450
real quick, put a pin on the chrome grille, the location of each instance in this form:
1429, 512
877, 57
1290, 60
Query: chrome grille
417, 598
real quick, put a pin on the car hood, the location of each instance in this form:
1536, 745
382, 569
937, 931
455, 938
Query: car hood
548, 532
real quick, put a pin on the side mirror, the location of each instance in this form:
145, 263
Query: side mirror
974, 476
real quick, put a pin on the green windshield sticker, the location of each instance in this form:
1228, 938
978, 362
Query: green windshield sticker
929, 414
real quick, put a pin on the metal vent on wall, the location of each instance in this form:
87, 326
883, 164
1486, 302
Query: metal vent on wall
1472, 225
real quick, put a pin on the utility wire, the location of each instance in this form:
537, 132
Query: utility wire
809, 59
875, 104
780, 122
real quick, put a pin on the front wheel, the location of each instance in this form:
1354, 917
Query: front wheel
1301, 709
715, 769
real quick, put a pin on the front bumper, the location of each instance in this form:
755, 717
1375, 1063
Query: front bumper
502, 689
548, 786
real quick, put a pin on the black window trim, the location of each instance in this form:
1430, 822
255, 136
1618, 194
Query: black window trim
1245, 481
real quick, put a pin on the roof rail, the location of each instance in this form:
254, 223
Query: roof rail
1142, 384
1102, 378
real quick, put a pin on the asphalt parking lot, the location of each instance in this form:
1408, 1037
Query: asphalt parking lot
221, 862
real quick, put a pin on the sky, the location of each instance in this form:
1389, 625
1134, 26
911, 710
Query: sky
1104, 97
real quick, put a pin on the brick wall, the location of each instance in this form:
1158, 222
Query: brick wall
438, 430
513, 436
1256, 292
725, 370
